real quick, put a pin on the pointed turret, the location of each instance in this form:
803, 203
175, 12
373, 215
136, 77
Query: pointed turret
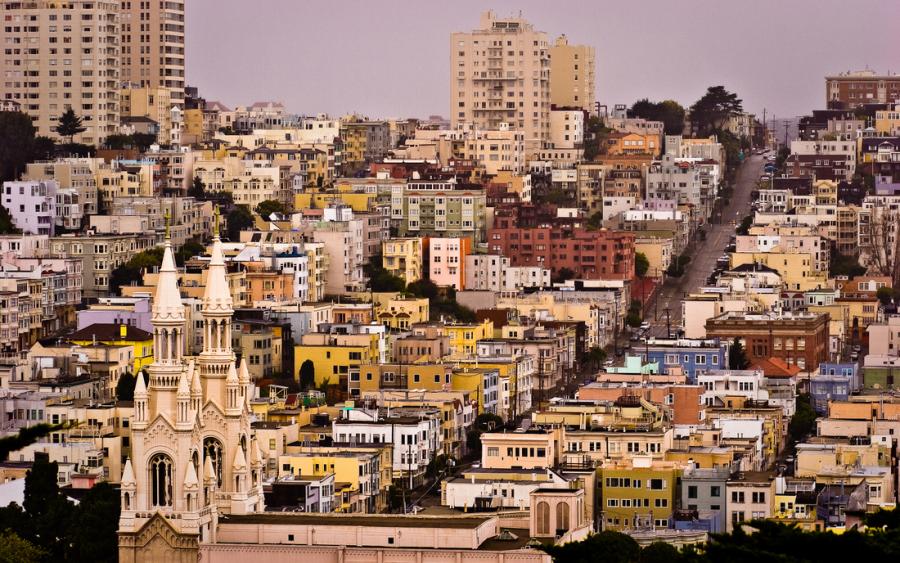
141, 402
244, 380
196, 388
210, 479
167, 303
128, 474
190, 478
184, 388
240, 462
217, 295
140, 388
216, 358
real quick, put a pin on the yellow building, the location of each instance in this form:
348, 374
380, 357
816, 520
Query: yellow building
463, 337
152, 102
429, 377
572, 79
887, 122
797, 508
482, 383
619, 143
638, 493
658, 250
193, 123
116, 334
403, 257
133, 179
358, 202
335, 357
400, 313
797, 270
366, 472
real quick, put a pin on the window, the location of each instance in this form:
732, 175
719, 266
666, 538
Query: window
161, 480
692, 491
543, 518
715, 491
737, 496
759, 497
657, 484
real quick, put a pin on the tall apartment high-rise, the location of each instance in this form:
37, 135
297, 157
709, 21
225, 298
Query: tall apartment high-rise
153, 45
60, 55
572, 75
500, 73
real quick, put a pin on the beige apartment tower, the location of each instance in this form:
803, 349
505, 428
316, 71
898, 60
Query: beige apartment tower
59, 55
572, 79
500, 73
153, 45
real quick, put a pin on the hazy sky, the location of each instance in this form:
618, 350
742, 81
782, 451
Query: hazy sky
390, 58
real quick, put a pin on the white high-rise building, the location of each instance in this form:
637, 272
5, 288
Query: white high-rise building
500, 73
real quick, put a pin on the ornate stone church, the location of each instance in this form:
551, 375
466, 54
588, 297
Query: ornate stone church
193, 457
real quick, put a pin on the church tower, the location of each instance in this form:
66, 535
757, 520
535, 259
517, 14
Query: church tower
192, 447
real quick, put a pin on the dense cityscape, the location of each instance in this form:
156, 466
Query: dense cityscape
546, 327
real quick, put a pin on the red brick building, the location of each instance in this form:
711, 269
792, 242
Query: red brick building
797, 339
590, 254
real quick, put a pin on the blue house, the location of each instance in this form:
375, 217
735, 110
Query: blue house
835, 382
693, 356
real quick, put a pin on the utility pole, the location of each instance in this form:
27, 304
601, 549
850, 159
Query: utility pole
765, 130
786, 125
668, 324
616, 328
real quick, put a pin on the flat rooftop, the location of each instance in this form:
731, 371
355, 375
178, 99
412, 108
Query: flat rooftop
372, 520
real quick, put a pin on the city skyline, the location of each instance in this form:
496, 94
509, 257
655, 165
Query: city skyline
784, 76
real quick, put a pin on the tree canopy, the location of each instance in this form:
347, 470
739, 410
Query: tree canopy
737, 356
269, 206
710, 112
132, 271
641, 264
669, 112
69, 125
237, 220
17, 144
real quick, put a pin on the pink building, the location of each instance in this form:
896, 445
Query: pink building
447, 261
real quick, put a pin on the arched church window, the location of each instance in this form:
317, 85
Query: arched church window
161, 480
212, 448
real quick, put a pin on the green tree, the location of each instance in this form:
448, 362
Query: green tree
266, 208
307, 375
14, 549
25, 437
596, 356
197, 189
17, 144
595, 135
745, 225
238, 219
143, 141
49, 512
380, 280
803, 422
92, 533
191, 247
563, 274
605, 547
885, 295
7, 225
710, 113
669, 112
69, 125
484, 422
660, 552
125, 387
132, 271
117, 142
737, 356
641, 264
